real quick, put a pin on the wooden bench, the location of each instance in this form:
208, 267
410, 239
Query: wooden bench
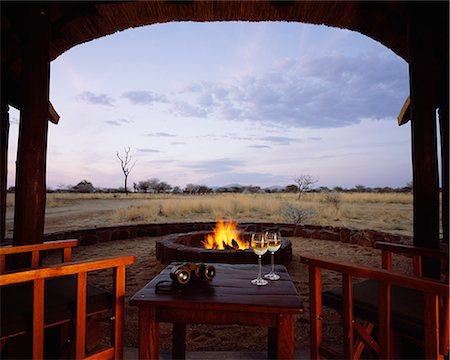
413, 306
44, 297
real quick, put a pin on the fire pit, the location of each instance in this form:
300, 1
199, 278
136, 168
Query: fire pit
190, 247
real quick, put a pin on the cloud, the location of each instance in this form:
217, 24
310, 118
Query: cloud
280, 140
141, 150
14, 120
177, 143
182, 108
314, 92
218, 165
96, 99
252, 178
260, 146
141, 97
160, 134
118, 122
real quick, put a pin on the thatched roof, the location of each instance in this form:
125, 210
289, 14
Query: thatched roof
73, 23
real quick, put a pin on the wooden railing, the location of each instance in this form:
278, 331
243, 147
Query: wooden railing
80, 269
436, 327
35, 249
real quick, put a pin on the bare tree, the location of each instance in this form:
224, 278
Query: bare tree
125, 165
304, 183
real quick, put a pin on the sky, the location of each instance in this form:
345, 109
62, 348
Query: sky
228, 103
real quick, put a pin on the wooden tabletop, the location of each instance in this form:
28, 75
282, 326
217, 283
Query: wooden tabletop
229, 290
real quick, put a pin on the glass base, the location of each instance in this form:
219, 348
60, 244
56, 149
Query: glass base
259, 282
272, 276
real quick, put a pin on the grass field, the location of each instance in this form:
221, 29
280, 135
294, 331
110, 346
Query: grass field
391, 212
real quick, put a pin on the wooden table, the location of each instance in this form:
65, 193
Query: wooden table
229, 298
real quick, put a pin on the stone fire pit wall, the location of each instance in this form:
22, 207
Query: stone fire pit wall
332, 233
188, 247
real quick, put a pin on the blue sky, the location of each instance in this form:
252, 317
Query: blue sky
222, 103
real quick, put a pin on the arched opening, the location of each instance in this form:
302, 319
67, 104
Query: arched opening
417, 33
306, 98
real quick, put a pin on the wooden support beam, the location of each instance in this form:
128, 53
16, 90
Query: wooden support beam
32, 145
424, 143
4, 137
445, 149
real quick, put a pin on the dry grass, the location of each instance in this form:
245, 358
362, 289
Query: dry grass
386, 211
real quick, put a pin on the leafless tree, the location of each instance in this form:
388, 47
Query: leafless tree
304, 183
125, 165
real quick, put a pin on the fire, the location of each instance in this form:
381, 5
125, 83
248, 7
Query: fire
226, 236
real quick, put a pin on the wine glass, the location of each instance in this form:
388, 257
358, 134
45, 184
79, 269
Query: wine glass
274, 243
259, 247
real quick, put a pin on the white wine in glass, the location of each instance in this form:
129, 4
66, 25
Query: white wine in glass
274, 243
259, 247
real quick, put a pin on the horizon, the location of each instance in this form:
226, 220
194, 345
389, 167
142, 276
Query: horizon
228, 102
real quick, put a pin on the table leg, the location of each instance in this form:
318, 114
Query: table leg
272, 345
285, 336
178, 341
148, 333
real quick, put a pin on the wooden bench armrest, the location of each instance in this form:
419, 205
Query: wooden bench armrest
382, 275
411, 250
417, 253
35, 249
47, 245
65, 269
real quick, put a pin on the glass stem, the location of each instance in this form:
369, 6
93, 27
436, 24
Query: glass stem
273, 264
259, 267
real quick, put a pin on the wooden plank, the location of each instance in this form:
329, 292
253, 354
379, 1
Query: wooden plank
48, 245
417, 265
272, 342
148, 333
119, 316
80, 321
384, 319
422, 79
30, 191
328, 353
171, 314
285, 336
382, 275
38, 318
431, 326
386, 259
444, 326
411, 250
104, 354
2, 264
347, 315
365, 333
178, 340
315, 310
34, 259
65, 269
67, 255
4, 139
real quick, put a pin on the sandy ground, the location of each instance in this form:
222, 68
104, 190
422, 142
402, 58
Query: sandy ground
229, 338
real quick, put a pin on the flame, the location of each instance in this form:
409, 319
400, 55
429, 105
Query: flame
226, 236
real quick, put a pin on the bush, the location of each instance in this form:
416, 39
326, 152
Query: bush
295, 215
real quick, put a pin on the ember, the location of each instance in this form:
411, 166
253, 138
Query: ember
226, 236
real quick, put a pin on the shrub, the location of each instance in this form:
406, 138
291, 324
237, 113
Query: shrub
295, 215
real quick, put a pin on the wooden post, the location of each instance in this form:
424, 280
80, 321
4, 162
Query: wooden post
32, 146
424, 145
4, 137
445, 148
